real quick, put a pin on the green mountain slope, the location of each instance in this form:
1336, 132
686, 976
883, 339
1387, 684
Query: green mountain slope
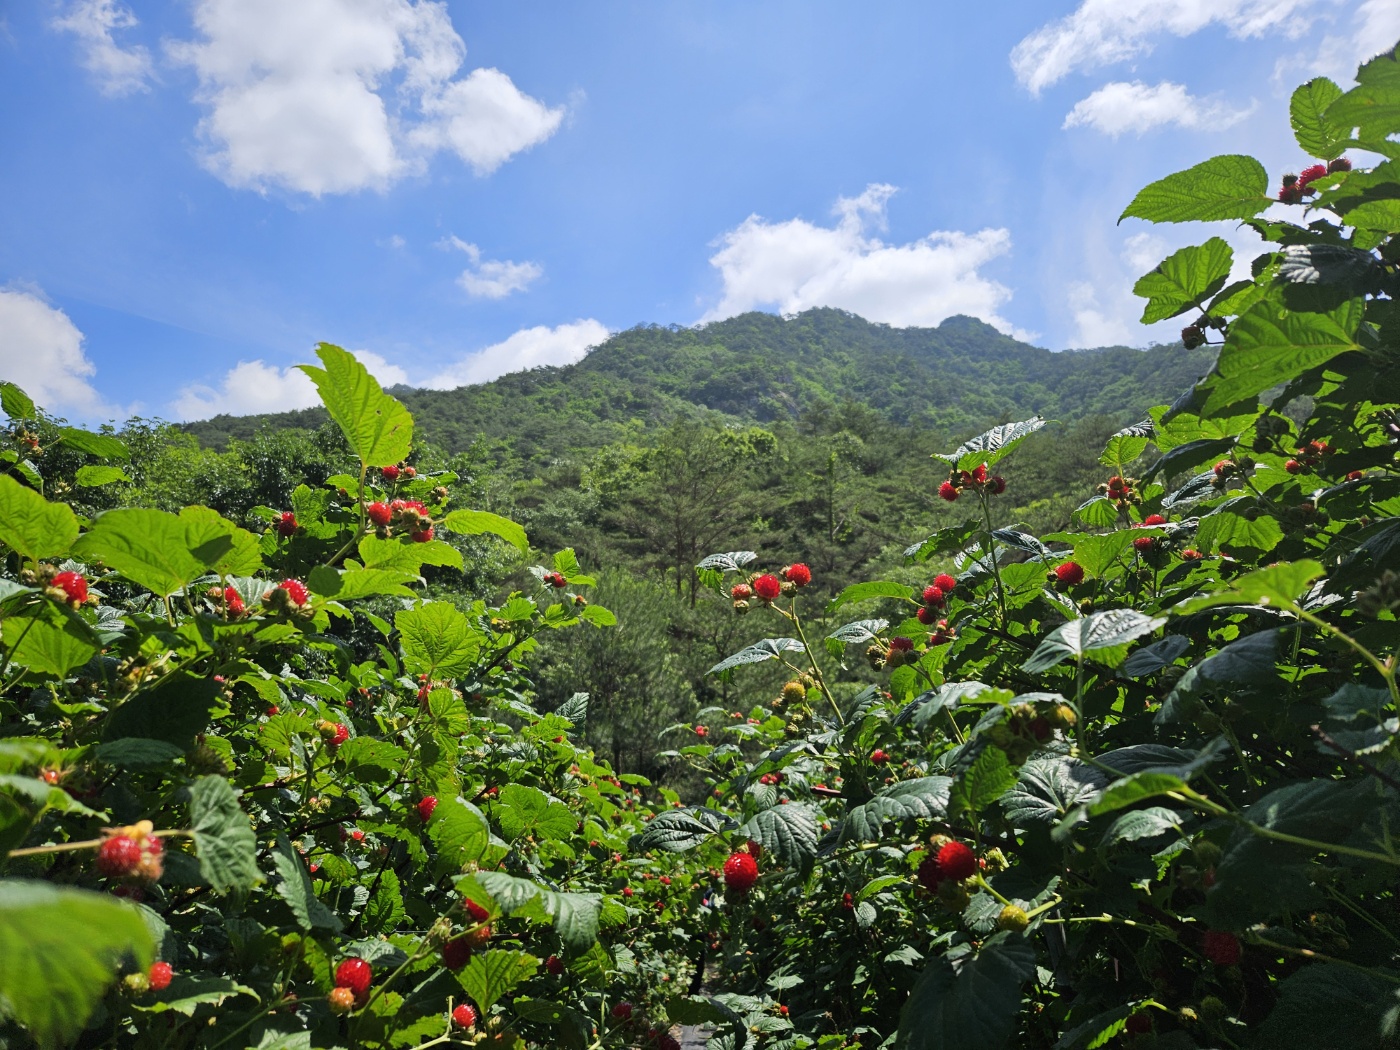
762, 368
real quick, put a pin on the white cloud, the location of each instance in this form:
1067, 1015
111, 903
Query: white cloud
1375, 28
119, 70
1101, 32
527, 348
42, 353
334, 96
492, 278
1120, 106
795, 265
251, 387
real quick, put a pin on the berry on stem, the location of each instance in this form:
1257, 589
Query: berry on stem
119, 857
767, 587
740, 871
957, 861
1220, 948
464, 1016
379, 513
798, 575
160, 976
1070, 572
456, 953
356, 974
426, 805
287, 524
73, 584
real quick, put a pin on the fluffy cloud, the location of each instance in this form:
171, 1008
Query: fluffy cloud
42, 353
253, 386
1119, 107
795, 265
527, 348
119, 70
1101, 32
1375, 26
493, 278
334, 96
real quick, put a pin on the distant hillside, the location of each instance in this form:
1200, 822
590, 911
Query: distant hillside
759, 367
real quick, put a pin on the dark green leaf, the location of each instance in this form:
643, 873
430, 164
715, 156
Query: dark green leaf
1048, 788
787, 832
31, 525
924, 798
992, 446
223, 836
294, 886
768, 649
861, 592
971, 1007
176, 708
982, 783
1104, 636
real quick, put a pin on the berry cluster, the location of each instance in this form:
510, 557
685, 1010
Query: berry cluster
333, 733
1228, 468
1308, 457
557, 580
401, 516
976, 480
935, 598
1122, 491
391, 473
1296, 187
289, 598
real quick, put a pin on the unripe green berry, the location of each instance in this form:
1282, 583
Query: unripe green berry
1013, 918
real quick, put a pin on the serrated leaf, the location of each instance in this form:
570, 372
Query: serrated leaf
991, 446
859, 631
1355, 270
437, 640
1048, 788
1184, 279
728, 562
925, 798
787, 832
682, 829
1374, 104
767, 649
1152, 658
159, 551
377, 427
223, 837
1307, 112
1140, 824
294, 886
91, 477
175, 709
1278, 586
490, 976
32, 526
973, 1007
48, 639
1225, 187
1103, 636
15, 402
988, 778
479, 522
861, 592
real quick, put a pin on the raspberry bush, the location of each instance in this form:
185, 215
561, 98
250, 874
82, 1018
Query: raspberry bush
1132, 783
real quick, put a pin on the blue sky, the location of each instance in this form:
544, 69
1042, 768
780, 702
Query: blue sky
196, 191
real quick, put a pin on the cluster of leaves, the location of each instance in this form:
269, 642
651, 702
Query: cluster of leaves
304, 781
1168, 735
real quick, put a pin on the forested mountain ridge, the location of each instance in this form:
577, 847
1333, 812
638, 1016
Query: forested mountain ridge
763, 368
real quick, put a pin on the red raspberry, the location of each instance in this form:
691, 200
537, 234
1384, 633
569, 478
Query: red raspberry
848, 902
949, 491
930, 874
1290, 192
927, 615
1340, 164
379, 513
627, 891
798, 575
878, 757
391, 473
933, 594
754, 847
477, 912
956, 861
1142, 544
741, 592
339, 735
287, 524
456, 953
783, 1010
1154, 519
1191, 554
1070, 572
701, 731
160, 976
1355, 475
410, 472
1311, 173
354, 973
740, 871
666, 1041
554, 965
1221, 468
945, 583
901, 645
119, 857
73, 584
297, 593
1220, 948
426, 805
357, 835
464, 1016
1293, 467
422, 535
979, 475
998, 485
767, 587
233, 602
622, 1011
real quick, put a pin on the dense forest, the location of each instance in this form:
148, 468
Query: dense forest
804, 437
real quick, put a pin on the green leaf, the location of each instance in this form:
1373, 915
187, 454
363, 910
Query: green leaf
1103, 636
186, 994
1329, 1005
476, 522
988, 778
31, 525
153, 549
372, 761
1382, 215
1374, 104
991, 446
524, 809
138, 753
176, 708
682, 829
1276, 585
220, 544
48, 639
490, 976
925, 798
1122, 449
459, 832
786, 832
973, 1007
574, 915
223, 837
91, 477
1184, 279
385, 910
1225, 187
1307, 112
1141, 824
1133, 789
294, 886
1269, 344
1048, 788
437, 640
1225, 529
103, 446
378, 428
861, 592
15, 402
767, 649
59, 950
360, 583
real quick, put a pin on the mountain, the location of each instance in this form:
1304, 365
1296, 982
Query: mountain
762, 368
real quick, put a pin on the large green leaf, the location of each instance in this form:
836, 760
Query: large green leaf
459, 832
176, 708
1275, 585
1102, 636
971, 1007
924, 798
159, 551
294, 886
1269, 344
861, 592
1307, 111
378, 428
1226, 187
1374, 104
682, 829
206, 532
59, 950
476, 522
1184, 279
437, 640
48, 639
991, 446
31, 525
14, 402
786, 832
1048, 788
988, 778
494, 974
223, 836
574, 915
528, 810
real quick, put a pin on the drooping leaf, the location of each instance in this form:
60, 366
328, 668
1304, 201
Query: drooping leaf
1225, 187
223, 837
767, 649
1048, 788
478, 522
1278, 586
1103, 636
492, 975
787, 832
991, 446
988, 778
156, 550
378, 428
175, 709
682, 829
294, 886
861, 592
14, 402
860, 631
48, 639
91, 476
924, 798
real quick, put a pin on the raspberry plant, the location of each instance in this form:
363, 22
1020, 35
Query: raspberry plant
1132, 783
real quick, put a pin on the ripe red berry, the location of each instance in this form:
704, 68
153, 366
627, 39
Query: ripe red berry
767, 587
339, 735
1311, 173
554, 965
949, 492
1070, 572
933, 594
233, 602
1355, 475
287, 524
73, 584
798, 575
357, 835
927, 615
1293, 467
929, 873
622, 1011
297, 593
900, 644
879, 757
477, 912
464, 1016
1220, 948
945, 583
783, 1010
1142, 544
119, 857
956, 861
354, 973
627, 891
741, 592
754, 847
422, 535
426, 805
1154, 519
456, 953
1340, 164
998, 485
160, 976
391, 473
379, 513
848, 902
1191, 554
740, 871
701, 731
